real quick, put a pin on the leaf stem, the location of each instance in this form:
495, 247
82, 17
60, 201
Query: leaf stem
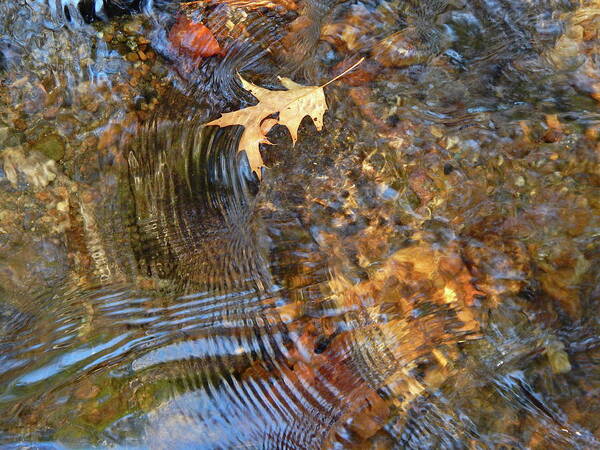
344, 72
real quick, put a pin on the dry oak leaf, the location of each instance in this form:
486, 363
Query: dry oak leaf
291, 105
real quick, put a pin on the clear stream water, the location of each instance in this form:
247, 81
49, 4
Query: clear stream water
422, 273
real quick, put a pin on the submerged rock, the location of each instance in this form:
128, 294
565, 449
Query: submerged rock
53, 146
35, 168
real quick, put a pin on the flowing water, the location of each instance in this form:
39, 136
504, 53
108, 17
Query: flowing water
421, 273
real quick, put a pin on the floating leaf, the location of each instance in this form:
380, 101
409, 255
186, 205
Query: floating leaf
291, 106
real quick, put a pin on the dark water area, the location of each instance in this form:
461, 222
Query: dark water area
422, 272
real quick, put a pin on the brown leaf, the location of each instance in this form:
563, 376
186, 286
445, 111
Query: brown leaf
291, 105
193, 39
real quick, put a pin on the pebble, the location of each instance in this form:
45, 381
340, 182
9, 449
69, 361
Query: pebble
3, 134
52, 146
20, 124
133, 27
520, 181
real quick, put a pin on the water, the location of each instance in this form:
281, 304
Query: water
420, 274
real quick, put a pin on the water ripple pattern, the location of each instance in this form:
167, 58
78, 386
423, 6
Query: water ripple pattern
419, 274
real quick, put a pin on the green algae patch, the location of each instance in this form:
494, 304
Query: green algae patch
52, 145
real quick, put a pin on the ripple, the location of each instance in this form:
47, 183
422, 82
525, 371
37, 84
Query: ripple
370, 290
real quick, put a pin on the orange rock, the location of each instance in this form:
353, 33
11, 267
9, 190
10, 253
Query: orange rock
370, 417
193, 39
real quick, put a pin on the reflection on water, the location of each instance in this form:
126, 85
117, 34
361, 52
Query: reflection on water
419, 274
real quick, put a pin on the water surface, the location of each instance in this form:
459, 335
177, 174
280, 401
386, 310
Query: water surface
422, 273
